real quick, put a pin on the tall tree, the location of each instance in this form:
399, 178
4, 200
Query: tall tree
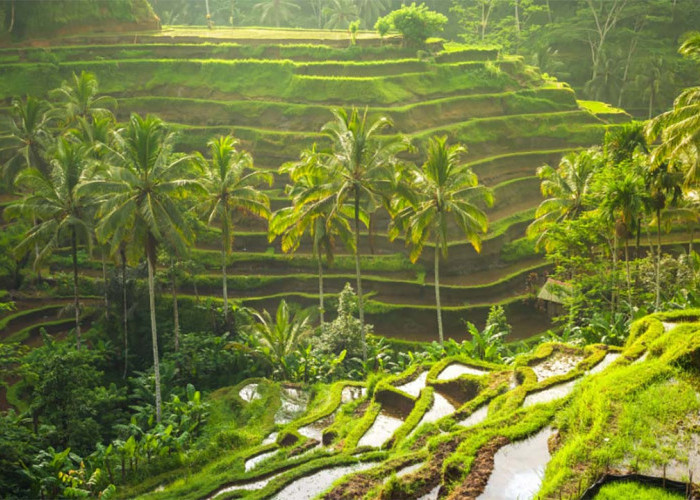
370, 10
312, 212
605, 15
565, 190
663, 184
362, 160
340, 14
624, 202
231, 185
679, 128
440, 191
29, 137
277, 12
63, 212
140, 205
79, 99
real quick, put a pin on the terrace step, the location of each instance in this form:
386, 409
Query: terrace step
228, 50
262, 114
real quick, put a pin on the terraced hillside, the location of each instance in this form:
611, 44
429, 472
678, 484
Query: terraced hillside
274, 90
550, 425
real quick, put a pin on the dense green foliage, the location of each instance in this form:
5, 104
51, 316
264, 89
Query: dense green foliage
104, 212
416, 23
39, 19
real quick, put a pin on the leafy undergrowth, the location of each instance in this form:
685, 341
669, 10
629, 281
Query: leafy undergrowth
625, 409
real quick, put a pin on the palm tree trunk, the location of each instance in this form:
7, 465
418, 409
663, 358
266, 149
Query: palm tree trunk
658, 259
194, 285
176, 314
627, 269
104, 281
224, 248
320, 288
613, 275
76, 299
360, 300
692, 236
437, 292
36, 251
150, 257
12, 17
125, 309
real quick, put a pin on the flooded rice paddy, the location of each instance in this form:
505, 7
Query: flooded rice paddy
519, 468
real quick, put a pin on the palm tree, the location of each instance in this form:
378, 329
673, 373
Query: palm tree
280, 336
312, 212
621, 143
29, 137
231, 185
625, 201
55, 200
627, 144
362, 162
439, 191
140, 206
370, 10
679, 128
566, 189
663, 185
95, 134
276, 11
340, 14
28, 140
80, 100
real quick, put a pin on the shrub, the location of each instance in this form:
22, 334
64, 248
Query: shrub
415, 22
344, 332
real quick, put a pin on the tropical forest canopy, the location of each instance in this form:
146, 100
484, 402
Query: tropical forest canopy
356, 249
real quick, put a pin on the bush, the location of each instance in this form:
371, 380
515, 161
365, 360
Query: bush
343, 333
415, 23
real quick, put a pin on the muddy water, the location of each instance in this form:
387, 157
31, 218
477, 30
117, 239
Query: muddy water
249, 392
519, 468
415, 386
557, 364
314, 430
351, 393
550, 394
251, 463
382, 429
605, 362
476, 417
406, 470
256, 485
513, 382
642, 358
314, 484
669, 326
441, 408
294, 403
457, 370
271, 438
432, 494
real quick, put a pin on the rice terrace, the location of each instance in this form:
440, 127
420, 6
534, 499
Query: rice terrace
349, 249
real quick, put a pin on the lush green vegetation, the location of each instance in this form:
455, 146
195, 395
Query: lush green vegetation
243, 249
